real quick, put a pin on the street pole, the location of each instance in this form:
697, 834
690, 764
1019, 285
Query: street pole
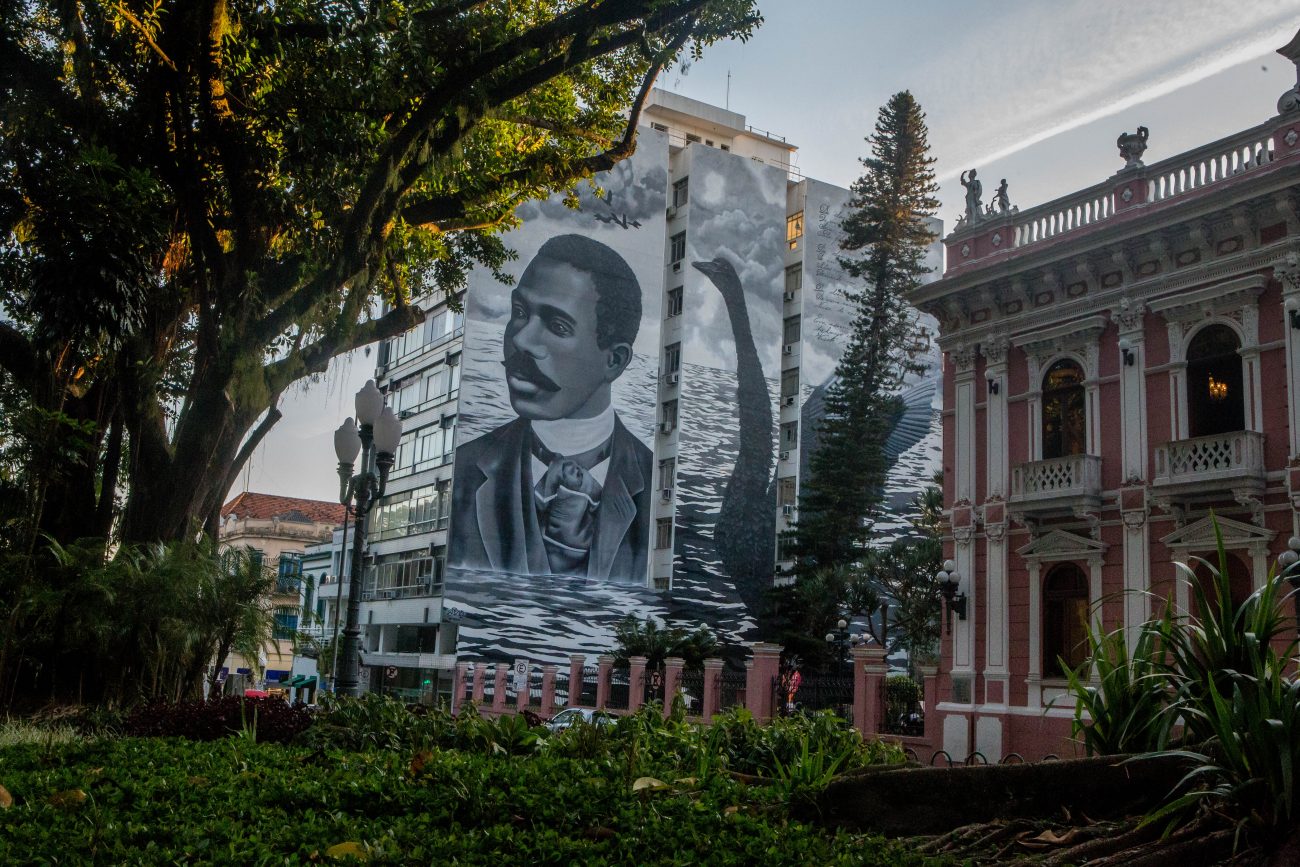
338, 604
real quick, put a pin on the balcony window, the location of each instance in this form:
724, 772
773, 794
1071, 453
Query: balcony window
1215, 396
286, 624
1065, 416
673, 358
794, 229
794, 278
681, 192
677, 247
792, 331
1065, 619
663, 533
674, 302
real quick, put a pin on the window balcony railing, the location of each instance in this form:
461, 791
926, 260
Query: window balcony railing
423, 587
1057, 484
1211, 464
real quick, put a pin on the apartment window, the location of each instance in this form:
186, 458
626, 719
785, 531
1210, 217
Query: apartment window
725, 147
681, 192
794, 229
659, 126
792, 329
789, 383
663, 533
786, 492
667, 473
404, 574
794, 278
663, 582
673, 358
784, 548
789, 435
288, 573
415, 639
677, 247
675, 302
669, 414
692, 137
286, 624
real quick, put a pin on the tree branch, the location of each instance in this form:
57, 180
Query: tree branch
250, 445
315, 358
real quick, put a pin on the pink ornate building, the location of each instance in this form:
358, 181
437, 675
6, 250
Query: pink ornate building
1118, 363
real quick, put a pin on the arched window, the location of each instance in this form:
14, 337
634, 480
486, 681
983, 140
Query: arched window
1065, 415
1065, 619
1215, 397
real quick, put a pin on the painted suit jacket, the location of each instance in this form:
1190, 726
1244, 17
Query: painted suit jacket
494, 525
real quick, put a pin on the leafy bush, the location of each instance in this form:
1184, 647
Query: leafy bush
132, 801
270, 720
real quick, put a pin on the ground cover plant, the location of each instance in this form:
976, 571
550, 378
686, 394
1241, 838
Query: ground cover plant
462, 790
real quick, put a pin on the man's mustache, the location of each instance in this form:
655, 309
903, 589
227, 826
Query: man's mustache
522, 366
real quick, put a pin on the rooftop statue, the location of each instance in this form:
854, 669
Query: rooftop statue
1131, 147
974, 190
1001, 201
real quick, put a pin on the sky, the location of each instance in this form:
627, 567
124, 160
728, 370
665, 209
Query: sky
1034, 92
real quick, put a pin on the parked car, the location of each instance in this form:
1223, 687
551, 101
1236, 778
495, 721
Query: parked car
570, 716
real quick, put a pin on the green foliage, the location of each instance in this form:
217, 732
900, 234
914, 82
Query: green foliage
143, 623
133, 801
1215, 688
886, 236
229, 188
636, 637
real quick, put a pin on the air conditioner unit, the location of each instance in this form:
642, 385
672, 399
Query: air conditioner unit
787, 349
666, 495
406, 413
789, 296
389, 594
789, 401
785, 456
671, 211
787, 510
677, 267
672, 378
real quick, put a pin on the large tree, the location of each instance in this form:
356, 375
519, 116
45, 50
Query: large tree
202, 201
885, 236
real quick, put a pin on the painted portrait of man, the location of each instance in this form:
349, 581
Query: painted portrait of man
563, 489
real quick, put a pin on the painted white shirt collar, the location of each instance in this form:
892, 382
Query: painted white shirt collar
573, 436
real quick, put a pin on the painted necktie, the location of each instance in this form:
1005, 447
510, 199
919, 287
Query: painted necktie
566, 500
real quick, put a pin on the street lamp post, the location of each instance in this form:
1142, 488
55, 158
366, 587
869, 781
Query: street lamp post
377, 438
839, 640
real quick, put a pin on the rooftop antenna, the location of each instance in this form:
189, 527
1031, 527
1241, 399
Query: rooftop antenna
728, 104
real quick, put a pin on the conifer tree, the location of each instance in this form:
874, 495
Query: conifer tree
885, 240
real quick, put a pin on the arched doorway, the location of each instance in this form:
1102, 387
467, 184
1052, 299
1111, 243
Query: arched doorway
1216, 401
1065, 414
1240, 581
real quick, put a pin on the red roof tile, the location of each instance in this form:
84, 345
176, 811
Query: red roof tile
268, 506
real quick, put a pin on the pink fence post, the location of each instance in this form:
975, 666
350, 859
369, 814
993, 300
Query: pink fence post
930, 699
712, 674
761, 672
635, 683
522, 687
499, 690
673, 666
869, 671
480, 683
458, 686
604, 666
548, 689
577, 670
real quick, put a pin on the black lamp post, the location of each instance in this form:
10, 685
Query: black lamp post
377, 438
1291, 572
949, 581
839, 643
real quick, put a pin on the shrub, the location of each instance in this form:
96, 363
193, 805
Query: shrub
270, 720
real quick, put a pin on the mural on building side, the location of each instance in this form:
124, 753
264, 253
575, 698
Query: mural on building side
731, 367
550, 523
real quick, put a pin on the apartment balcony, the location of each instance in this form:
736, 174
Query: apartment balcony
1057, 486
1220, 466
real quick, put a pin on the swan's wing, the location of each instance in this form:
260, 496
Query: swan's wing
913, 422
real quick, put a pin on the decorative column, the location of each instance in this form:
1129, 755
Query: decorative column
499, 688
1288, 274
712, 674
635, 683
673, 666
869, 673
577, 673
1129, 318
762, 672
604, 667
548, 689
997, 464
964, 469
480, 683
